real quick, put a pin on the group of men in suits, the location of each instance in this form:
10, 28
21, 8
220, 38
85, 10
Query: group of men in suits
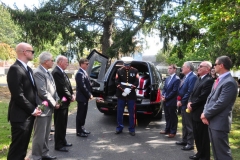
30, 89
206, 107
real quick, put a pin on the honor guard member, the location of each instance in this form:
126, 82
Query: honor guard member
126, 81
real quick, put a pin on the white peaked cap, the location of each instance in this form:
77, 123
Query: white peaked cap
127, 60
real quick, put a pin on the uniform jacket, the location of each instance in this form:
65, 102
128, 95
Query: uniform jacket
170, 90
219, 105
46, 90
199, 96
63, 85
127, 76
186, 88
83, 87
23, 93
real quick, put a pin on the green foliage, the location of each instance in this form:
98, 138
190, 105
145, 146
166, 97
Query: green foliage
203, 30
106, 25
9, 32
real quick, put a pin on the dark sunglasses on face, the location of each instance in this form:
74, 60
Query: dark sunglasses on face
216, 64
30, 51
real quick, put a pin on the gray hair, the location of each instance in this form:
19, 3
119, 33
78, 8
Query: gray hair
44, 56
189, 65
59, 58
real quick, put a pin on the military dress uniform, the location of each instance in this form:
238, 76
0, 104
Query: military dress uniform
126, 77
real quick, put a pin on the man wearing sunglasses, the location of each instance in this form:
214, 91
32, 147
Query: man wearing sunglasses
83, 95
217, 113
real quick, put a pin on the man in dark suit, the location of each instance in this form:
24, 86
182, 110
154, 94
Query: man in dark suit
195, 105
217, 113
169, 98
22, 107
64, 89
184, 92
83, 95
46, 92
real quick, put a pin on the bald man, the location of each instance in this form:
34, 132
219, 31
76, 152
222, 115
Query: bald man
22, 107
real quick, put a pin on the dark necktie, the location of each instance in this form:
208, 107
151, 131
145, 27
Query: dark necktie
66, 77
30, 75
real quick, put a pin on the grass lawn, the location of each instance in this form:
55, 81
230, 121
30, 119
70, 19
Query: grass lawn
5, 129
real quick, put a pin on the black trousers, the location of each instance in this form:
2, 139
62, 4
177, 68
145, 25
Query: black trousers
81, 115
60, 122
171, 119
21, 133
202, 141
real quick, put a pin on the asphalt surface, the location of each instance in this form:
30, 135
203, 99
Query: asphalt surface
103, 144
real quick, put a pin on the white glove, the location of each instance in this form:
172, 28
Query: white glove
124, 94
127, 90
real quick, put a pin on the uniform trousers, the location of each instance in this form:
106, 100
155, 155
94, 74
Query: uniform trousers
21, 133
121, 103
81, 116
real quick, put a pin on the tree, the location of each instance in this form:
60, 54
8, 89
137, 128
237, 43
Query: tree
203, 30
103, 24
9, 32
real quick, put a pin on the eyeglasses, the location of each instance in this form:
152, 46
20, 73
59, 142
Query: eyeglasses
30, 51
216, 64
51, 60
200, 66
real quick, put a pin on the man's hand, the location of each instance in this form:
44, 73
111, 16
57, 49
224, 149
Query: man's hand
37, 112
73, 98
91, 97
163, 98
204, 119
179, 103
127, 90
189, 106
57, 106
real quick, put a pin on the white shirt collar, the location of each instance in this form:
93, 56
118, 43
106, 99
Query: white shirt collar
23, 63
60, 68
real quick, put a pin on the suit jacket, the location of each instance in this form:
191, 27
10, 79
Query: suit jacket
199, 96
83, 89
46, 90
186, 88
23, 93
170, 90
219, 105
63, 85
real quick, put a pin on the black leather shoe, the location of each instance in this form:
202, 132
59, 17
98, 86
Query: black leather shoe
181, 143
82, 135
132, 133
86, 132
118, 132
187, 148
193, 157
48, 157
68, 145
63, 149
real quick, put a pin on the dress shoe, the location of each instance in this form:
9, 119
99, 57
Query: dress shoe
63, 149
86, 132
181, 143
68, 145
82, 135
118, 132
48, 157
132, 133
187, 148
171, 135
52, 130
193, 157
163, 132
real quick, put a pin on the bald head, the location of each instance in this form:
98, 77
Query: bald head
62, 62
24, 52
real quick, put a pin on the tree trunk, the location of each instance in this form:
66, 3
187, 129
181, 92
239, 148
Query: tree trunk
107, 34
